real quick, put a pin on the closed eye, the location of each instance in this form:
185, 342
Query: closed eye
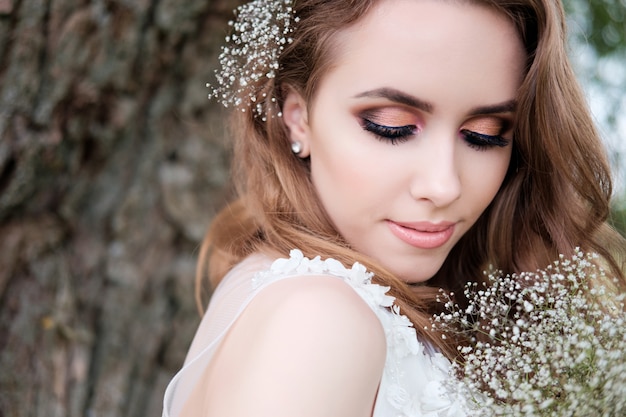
392, 134
480, 141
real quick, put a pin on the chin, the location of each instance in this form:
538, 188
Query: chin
420, 271
410, 277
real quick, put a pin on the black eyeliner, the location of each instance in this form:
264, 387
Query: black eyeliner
482, 140
388, 132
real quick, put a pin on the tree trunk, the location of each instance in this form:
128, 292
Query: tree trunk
112, 163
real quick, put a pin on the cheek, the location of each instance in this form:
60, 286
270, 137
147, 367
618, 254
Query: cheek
342, 157
484, 178
339, 178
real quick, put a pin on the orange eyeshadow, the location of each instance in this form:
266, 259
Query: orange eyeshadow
491, 126
390, 117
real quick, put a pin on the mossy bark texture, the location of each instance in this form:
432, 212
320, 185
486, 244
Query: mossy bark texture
112, 163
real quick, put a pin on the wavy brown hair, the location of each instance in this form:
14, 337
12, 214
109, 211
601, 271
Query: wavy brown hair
555, 196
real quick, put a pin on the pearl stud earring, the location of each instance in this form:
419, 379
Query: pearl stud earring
296, 147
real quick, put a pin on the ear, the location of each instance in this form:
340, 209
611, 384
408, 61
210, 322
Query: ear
296, 119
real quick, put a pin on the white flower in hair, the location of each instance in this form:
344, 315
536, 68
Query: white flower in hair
259, 35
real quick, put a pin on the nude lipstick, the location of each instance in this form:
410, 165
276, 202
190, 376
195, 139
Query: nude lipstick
423, 235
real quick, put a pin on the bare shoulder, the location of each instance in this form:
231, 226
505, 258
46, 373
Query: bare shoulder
327, 301
306, 346
321, 307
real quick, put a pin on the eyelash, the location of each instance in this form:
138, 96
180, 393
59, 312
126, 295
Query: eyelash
481, 141
399, 134
393, 134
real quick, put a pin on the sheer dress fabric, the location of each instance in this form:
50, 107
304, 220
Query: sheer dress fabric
414, 375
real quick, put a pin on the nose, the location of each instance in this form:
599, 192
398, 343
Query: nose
436, 176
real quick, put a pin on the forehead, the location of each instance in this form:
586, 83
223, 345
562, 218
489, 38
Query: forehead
422, 43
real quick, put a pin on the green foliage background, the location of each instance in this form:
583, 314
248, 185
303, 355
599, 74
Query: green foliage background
605, 23
598, 44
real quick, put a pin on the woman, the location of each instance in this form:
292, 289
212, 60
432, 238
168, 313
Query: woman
422, 139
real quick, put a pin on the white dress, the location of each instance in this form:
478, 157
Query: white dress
412, 384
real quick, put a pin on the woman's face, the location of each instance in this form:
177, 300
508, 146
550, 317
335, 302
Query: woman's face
410, 132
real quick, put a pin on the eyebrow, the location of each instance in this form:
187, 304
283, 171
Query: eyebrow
506, 107
400, 97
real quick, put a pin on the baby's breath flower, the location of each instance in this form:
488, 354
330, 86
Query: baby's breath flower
548, 343
259, 35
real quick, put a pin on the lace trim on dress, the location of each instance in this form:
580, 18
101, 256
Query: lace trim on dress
426, 397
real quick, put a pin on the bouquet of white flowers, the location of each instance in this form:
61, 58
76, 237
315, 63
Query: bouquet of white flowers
548, 343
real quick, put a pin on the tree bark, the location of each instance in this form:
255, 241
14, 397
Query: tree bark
112, 163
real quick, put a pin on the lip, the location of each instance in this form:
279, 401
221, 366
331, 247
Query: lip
423, 235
